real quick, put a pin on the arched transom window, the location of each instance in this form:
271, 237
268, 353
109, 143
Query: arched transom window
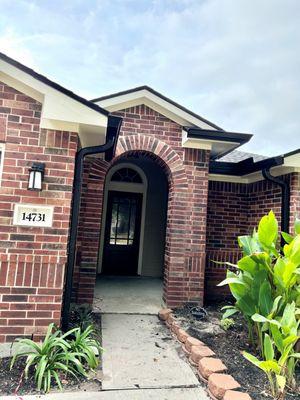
126, 175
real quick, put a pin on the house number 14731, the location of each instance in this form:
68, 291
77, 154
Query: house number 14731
38, 217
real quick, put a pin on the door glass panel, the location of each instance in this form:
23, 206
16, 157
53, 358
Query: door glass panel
132, 222
113, 225
123, 219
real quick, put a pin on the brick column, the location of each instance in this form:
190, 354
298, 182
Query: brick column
197, 163
90, 228
294, 199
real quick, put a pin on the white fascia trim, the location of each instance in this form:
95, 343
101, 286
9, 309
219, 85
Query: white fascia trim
57, 106
254, 177
205, 144
156, 103
196, 144
292, 161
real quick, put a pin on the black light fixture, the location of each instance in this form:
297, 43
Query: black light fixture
36, 176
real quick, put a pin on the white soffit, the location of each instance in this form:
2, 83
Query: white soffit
292, 160
255, 176
59, 111
216, 147
144, 96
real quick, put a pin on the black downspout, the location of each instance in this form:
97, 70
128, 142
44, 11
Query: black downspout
285, 200
112, 133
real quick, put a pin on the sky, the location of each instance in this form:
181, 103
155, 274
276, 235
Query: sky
234, 62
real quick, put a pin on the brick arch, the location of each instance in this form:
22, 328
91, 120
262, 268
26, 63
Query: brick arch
178, 221
185, 236
168, 157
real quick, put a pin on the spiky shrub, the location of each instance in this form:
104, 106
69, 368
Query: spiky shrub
265, 284
57, 357
81, 316
85, 346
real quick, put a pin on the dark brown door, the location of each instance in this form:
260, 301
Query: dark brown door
122, 233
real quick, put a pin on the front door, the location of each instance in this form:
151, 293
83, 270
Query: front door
122, 233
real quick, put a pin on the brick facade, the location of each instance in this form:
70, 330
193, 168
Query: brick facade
294, 198
150, 133
32, 260
234, 209
203, 218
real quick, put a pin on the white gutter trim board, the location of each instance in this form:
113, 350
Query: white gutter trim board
254, 177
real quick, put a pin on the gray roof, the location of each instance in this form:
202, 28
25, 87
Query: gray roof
236, 156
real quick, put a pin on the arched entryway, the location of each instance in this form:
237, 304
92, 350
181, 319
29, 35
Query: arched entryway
184, 235
134, 218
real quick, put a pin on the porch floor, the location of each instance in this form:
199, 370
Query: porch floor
128, 295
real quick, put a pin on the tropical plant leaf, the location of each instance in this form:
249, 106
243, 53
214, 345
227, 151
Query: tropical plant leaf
252, 359
295, 251
247, 264
268, 348
295, 355
228, 313
227, 281
277, 337
248, 244
268, 229
297, 226
246, 305
265, 301
287, 237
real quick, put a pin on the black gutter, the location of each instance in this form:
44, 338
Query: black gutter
237, 139
285, 199
244, 167
112, 133
209, 134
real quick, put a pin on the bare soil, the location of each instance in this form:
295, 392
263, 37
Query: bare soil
228, 346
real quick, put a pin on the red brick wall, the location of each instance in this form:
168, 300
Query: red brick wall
235, 209
152, 134
263, 196
32, 260
226, 219
294, 199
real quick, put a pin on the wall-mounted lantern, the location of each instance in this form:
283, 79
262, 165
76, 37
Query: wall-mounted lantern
36, 176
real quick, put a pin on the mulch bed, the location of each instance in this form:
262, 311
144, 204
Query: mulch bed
228, 346
12, 382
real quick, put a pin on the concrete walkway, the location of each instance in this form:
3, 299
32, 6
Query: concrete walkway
141, 360
130, 295
143, 394
140, 354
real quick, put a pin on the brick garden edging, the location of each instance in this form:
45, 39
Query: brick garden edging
210, 369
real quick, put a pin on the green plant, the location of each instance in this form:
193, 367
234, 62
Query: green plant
81, 316
279, 355
55, 357
226, 323
87, 348
265, 284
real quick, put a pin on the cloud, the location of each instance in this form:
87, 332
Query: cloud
234, 62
